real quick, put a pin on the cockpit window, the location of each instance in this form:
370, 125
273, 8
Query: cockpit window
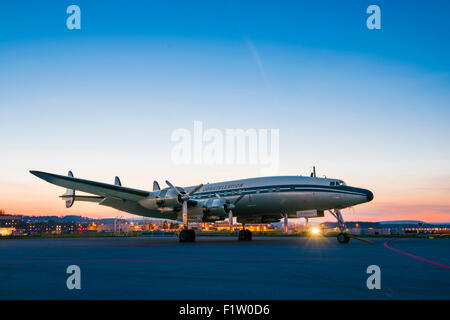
337, 183
332, 183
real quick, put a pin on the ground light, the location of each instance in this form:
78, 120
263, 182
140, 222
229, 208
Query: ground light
315, 230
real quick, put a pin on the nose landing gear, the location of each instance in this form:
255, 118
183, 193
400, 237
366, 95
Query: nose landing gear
342, 237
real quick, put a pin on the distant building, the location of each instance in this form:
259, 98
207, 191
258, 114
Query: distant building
109, 227
11, 221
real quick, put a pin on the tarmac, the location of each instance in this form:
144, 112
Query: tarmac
224, 268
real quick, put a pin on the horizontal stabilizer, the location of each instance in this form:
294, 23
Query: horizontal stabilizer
83, 198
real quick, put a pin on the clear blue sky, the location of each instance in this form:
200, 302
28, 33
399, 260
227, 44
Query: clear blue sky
369, 106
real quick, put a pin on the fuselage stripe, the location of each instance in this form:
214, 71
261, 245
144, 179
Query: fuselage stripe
275, 189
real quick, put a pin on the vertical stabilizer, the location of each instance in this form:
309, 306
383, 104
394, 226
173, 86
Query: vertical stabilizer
70, 194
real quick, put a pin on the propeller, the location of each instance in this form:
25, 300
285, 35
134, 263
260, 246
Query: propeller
184, 198
229, 206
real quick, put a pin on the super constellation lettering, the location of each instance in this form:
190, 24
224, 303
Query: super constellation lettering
231, 186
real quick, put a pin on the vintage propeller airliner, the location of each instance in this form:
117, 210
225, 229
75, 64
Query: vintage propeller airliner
254, 200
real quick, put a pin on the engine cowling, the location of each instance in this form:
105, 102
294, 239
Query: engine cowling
213, 210
161, 199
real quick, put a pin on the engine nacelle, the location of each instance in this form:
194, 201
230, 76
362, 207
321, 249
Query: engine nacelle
213, 210
161, 199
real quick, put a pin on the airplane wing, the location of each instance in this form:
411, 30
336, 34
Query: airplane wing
98, 188
110, 195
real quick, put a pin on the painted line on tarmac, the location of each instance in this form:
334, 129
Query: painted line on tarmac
386, 244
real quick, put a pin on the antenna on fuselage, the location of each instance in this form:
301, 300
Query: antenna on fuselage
313, 173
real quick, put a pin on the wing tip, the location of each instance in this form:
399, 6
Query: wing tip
35, 172
40, 174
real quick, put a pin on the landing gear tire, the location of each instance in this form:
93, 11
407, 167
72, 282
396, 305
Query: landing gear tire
191, 234
343, 238
245, 235
187, 235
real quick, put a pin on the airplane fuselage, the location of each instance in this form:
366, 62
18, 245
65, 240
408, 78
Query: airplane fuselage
267, 199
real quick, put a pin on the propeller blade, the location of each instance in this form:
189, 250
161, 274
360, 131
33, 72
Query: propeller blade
156, 186
195, 189
238, 199
172, 187
169, 184
230, 218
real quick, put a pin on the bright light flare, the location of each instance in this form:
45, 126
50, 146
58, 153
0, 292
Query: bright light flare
315, 230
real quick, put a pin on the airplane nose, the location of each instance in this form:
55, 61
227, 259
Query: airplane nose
369, 195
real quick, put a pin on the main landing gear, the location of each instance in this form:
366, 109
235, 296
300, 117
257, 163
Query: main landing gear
245, 235
342, 237
187, 235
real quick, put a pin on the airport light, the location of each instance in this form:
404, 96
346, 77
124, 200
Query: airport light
315, 230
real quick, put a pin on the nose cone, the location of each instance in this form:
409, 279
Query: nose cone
369, 195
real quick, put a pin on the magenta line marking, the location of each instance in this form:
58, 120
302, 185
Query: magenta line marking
413, 256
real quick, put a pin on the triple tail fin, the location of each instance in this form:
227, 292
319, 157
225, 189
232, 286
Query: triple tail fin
70, 194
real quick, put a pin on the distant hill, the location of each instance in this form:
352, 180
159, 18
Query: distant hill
67, 219
415, 222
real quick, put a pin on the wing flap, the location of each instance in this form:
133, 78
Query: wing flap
135, 208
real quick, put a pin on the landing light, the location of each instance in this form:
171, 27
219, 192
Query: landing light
315, 230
